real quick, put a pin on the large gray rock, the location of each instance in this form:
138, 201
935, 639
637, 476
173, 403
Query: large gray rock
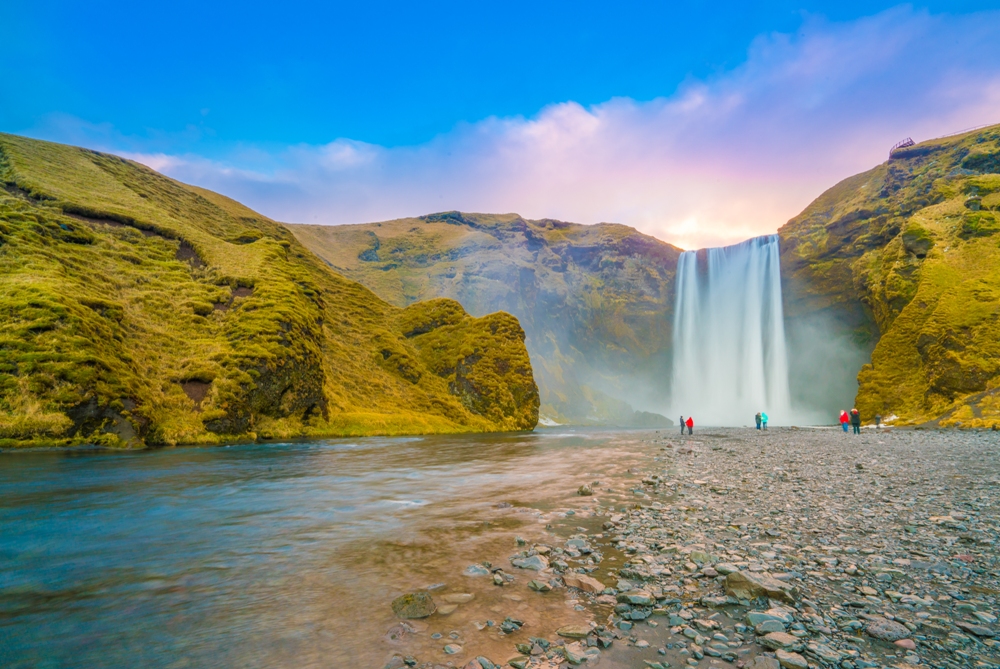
761, 662
791, 660
887, 630
978, 630
747, 585
418, 604
780, 641
637, 598
533, 562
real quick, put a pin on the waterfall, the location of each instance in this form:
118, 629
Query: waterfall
729, 357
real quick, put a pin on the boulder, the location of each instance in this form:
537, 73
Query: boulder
637, 598
532, 562
978, 630
780, 641
791, 660
762, 662
418, 604
575, 653
583, 582
747, 585
887, 630
574, 631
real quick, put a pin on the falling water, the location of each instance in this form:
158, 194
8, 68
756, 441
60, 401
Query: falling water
729, 338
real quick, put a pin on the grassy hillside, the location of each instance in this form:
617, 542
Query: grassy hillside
595, 301
909, 255
135, 309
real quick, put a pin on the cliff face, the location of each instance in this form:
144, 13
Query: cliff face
135, 309
908, 255
595, 301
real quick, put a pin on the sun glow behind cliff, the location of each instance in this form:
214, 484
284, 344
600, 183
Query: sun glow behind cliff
729, 356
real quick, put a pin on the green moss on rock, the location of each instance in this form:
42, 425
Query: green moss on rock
137, 310
901, 241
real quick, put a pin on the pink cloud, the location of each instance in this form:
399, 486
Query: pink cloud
718, 161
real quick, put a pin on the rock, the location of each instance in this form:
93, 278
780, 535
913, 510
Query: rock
532, 562
725, 568
476, 570
791, 660
585, 490
978, 630
575, 653
414, 605
762, 662
746, 585
768, 626
779, 640
446, 609
452, 649
574, 631
887, 630
518, 662
908, 644
583, 582
539, 586
457, 597
637, 598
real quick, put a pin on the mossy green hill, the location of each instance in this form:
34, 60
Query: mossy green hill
135, 309
594, 300
908, 255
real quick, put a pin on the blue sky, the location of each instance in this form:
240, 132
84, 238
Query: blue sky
341, 113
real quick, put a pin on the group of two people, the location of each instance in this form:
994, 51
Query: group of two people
854, 418
689, 424
761, 420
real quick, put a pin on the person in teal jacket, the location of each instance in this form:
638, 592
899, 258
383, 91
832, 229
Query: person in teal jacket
763, 420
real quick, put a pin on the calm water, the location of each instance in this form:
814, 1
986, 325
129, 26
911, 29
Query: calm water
279, 555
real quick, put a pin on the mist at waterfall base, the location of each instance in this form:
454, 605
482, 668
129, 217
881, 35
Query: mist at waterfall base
730, 356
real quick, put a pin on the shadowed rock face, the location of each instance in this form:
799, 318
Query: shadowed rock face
595, 301
904, 261
137, 310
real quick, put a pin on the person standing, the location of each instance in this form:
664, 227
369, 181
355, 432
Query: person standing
690, 424
763, 420
682, 423
757, 420
878, 421
844, 420
856, 421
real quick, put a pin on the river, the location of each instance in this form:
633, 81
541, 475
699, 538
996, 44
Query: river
286, 555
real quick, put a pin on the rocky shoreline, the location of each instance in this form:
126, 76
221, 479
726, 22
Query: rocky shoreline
795, 548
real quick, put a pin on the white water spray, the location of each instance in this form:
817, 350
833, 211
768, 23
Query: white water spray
729, 352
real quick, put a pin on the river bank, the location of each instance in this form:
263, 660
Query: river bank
744, 548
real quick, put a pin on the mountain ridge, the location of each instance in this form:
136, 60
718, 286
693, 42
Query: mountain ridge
587, 296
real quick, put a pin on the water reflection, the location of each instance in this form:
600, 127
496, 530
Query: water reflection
274, 555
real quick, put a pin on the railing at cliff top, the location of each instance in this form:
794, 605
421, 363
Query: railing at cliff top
901, 145
908, 142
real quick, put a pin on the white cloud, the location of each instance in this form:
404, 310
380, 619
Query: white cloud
717, 161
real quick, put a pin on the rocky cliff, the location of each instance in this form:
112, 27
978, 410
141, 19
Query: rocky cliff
138, 310
905, 259
595, 301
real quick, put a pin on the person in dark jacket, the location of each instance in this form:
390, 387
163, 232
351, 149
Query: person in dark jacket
690, 424
682, 423
856, 421
757, 420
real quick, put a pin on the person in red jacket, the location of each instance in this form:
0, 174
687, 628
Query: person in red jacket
844, 420
690, 424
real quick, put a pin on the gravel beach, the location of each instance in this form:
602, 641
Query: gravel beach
791, 547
